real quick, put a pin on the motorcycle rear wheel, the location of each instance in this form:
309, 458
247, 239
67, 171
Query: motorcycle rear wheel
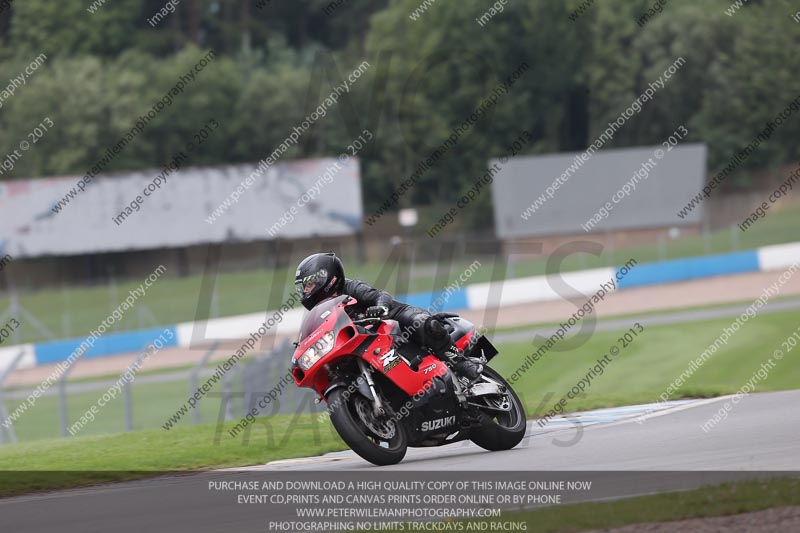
381, 450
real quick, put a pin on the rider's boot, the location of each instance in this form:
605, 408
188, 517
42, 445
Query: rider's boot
415, 362
462, 365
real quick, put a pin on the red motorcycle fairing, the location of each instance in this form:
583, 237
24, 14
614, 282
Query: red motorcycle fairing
372, 344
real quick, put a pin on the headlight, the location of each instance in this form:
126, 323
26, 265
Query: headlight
315, 353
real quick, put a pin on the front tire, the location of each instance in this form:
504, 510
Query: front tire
383, 445
501, 430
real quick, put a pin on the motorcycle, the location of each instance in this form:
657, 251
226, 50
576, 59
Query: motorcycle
380, 405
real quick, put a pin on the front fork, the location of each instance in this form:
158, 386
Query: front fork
366, 371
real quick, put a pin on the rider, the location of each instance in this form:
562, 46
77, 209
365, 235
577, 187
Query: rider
321, 276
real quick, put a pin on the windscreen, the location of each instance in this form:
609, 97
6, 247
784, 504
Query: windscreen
318, 314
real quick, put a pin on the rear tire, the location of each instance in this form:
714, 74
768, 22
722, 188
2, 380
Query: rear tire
362, 440
501, 430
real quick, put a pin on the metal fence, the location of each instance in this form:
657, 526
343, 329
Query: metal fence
149, 401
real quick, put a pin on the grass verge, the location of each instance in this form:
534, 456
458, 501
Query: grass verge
62, 463
652, 361
721, 500
641, 372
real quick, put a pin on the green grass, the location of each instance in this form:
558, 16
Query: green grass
152, 405
73, 312
638, 375
141, 373
654, 359
642, 371
60, 463
721, 500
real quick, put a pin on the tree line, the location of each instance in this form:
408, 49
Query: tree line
275, 61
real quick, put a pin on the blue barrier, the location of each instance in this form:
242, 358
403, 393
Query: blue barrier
108, 344
437, 301
691, 268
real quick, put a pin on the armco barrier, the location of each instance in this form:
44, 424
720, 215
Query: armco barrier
237, 327
535, 288
456, 299
778, 257
106, 344
690, 268
474, 296
7, 356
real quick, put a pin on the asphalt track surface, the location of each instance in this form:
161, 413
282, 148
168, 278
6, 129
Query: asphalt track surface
627, 451
761, 432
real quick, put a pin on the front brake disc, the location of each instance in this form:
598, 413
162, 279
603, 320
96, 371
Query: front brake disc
382, 427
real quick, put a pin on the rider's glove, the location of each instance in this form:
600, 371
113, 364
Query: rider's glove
376, 311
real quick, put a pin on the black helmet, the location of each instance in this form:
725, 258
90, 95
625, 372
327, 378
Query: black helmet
318, 277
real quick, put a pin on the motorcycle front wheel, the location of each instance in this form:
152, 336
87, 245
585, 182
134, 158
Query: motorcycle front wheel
379, 440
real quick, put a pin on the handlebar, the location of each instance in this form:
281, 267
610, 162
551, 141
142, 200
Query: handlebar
367, 321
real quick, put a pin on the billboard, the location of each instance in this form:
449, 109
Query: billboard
611, 190
126, 211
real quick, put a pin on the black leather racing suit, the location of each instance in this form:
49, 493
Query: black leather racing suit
424, 329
